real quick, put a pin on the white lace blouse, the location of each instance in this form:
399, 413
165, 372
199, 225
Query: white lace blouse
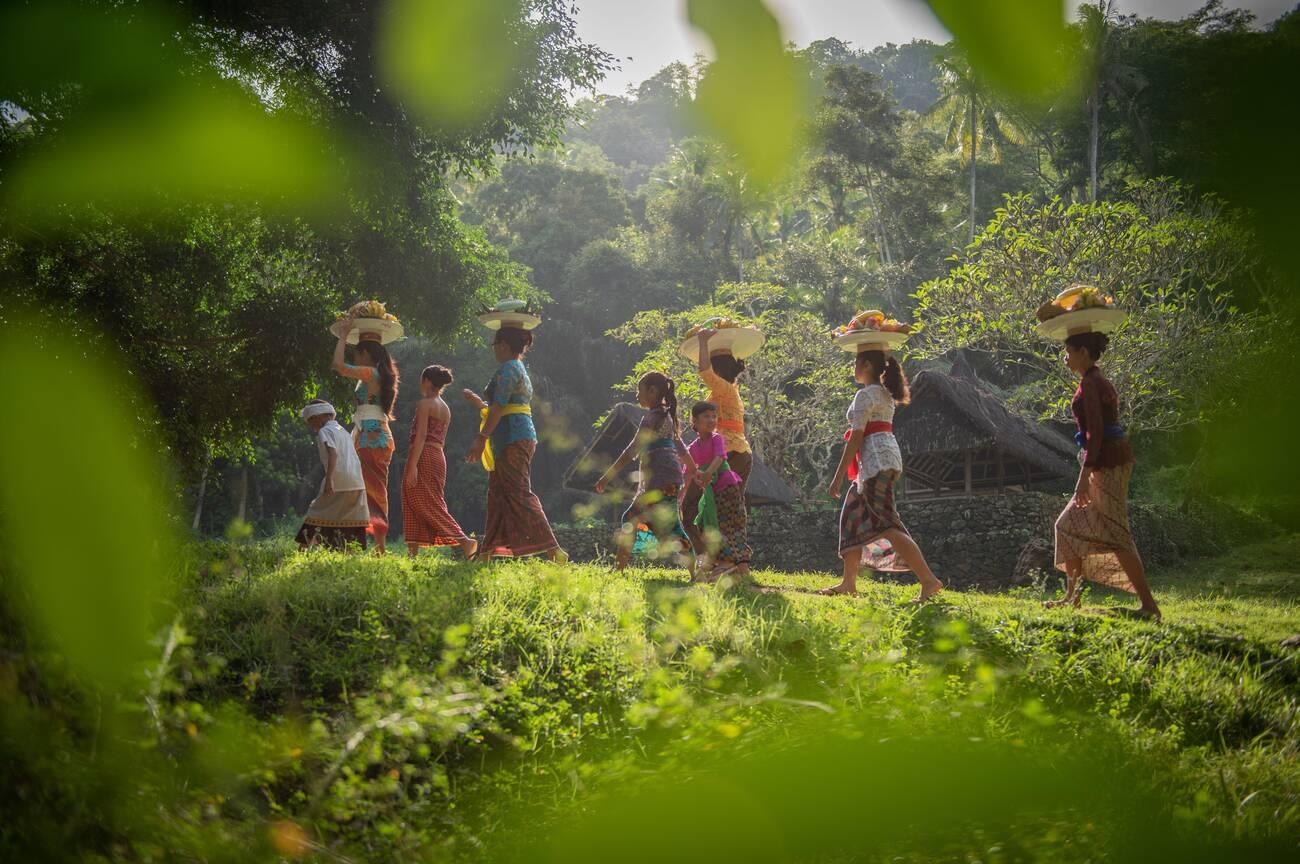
879, 451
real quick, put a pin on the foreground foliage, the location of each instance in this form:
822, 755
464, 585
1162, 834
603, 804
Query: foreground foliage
382, 710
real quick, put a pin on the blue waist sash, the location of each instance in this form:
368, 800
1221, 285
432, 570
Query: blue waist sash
1113, 430
660, 444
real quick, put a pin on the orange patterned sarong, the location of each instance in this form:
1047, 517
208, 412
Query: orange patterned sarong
374, 471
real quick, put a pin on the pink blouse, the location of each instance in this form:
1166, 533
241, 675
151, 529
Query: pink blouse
705, 450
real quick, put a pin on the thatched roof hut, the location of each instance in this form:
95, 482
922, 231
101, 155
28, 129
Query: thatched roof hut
959, 438
620, 427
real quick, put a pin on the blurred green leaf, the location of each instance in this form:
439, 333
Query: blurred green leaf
860, 800
210, 145
127, 119
1017, 46
82, 504
755, 95
451, 62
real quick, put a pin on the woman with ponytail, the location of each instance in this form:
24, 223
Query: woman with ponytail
376, 393
659, 448
872, 462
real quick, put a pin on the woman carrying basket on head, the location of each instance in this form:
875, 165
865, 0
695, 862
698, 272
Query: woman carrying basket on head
507, 440
1093, 540
872, 462
369, 327
719, 347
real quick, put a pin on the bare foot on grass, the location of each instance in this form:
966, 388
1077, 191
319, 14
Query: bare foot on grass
1144, 613
928, 590
836, 590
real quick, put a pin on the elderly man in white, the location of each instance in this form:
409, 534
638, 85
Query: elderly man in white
339, 515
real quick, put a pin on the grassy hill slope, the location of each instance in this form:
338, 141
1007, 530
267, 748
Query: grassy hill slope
381, 710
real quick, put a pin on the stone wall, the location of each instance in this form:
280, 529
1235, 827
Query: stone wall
968, 540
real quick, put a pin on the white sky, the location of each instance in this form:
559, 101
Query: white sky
646, 35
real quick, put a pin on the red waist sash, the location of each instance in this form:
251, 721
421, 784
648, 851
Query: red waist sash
872, 428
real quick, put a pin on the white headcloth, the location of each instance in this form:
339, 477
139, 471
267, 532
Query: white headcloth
316, 409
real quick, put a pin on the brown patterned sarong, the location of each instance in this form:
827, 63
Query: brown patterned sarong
1093, 534
516, 523
734, 544
868, 514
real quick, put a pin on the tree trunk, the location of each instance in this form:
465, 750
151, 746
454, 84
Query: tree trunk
974, 159
882, 239
1094, 135
198, 506
243, 493
726, 249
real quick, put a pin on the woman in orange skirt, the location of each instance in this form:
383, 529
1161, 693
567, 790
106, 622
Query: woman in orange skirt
376, 392
425, 519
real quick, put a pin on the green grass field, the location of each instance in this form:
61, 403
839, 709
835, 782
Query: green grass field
381, 710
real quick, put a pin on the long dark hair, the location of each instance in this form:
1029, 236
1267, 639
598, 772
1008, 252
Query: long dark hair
667, 390
727, 366
889, 372
388, 378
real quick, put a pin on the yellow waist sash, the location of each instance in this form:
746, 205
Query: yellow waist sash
488, 458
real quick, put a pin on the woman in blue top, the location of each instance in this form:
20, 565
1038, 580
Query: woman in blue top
516, 522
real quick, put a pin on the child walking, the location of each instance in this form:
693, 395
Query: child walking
339, 515
872, 462
659, 448
718, 531
425, 519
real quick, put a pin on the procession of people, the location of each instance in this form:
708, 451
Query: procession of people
691, 499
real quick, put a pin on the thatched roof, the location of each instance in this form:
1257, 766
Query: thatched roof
952, 414
620, 427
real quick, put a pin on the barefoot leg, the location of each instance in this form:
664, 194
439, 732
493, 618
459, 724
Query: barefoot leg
412, 549
852, 559
469, 547
1137, 574
912, 556
1073, 578
623, 541
687, 556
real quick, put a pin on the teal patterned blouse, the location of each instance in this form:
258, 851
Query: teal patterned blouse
511, 386
371, 433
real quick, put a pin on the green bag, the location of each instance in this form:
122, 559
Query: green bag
707, 517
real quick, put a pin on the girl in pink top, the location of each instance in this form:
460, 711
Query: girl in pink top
718, 532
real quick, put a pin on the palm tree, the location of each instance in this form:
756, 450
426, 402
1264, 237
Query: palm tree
1109, 77
718, 203
972, 119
